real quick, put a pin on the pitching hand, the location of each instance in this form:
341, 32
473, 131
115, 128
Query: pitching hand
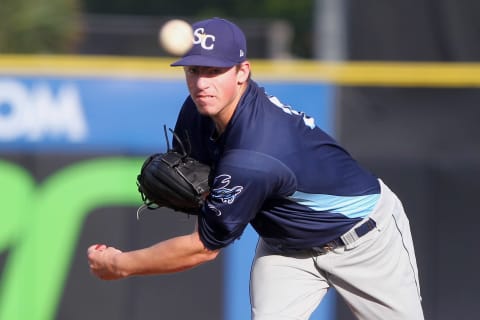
101, 260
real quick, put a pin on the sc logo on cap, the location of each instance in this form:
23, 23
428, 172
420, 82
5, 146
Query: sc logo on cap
205, 40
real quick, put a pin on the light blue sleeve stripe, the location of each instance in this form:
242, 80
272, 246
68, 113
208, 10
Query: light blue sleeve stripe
350, 206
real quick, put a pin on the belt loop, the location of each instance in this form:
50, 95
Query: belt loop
366, 227
350, 237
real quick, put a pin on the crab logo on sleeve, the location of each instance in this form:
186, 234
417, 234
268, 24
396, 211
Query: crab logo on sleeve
223, 193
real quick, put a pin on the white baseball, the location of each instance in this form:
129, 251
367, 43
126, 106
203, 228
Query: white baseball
176, 37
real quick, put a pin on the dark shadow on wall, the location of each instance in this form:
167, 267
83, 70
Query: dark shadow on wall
425, 144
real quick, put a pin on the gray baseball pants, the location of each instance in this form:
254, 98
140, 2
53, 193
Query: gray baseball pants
375, 274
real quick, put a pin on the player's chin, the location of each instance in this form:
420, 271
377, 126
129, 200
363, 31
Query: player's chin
205, 109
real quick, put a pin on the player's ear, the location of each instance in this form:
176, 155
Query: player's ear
243, 72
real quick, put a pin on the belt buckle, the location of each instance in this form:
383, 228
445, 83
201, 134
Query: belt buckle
326, 248
329, 246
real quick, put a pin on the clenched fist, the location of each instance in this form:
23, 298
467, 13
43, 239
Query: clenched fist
103, 262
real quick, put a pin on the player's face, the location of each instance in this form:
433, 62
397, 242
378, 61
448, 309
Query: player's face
216, 91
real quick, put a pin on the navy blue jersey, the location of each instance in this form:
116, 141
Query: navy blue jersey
275, 169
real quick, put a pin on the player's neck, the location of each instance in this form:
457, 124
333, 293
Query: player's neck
223, 118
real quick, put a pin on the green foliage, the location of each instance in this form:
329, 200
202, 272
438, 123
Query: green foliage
38, 26
298, 12
53, 26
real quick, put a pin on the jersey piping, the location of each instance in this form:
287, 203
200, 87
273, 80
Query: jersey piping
351, 207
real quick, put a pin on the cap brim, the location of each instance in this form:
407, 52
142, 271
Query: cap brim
203, 61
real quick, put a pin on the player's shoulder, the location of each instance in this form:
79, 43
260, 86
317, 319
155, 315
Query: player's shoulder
257, 168
248, 159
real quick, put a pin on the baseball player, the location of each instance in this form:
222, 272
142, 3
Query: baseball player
323, 220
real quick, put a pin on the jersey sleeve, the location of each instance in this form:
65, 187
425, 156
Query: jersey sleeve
243, 181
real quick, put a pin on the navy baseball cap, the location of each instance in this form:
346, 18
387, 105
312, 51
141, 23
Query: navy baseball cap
216, 43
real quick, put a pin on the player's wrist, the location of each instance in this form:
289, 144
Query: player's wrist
120, 265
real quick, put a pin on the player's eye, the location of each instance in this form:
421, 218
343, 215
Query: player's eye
192, 70
205, 71
216, 71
